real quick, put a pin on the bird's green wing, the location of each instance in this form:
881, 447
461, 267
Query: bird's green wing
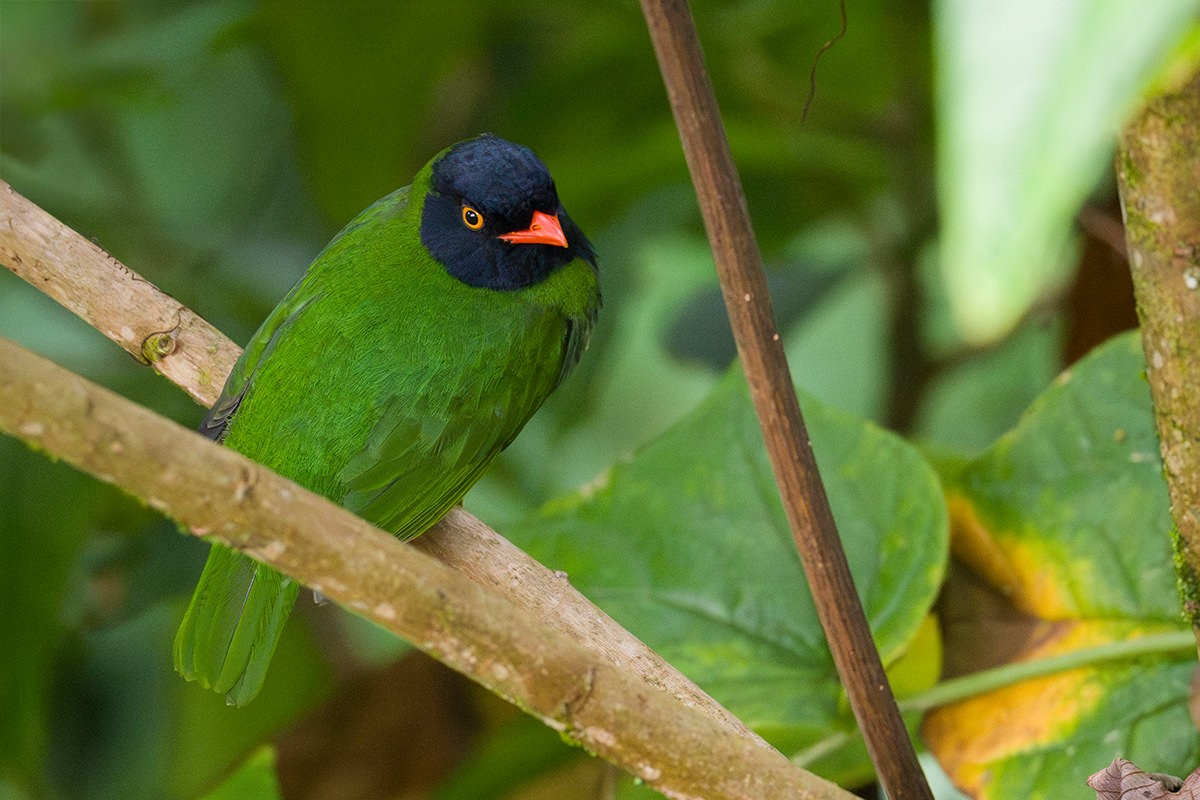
216, 421
239, 608
302, 295
579, 333
428, 448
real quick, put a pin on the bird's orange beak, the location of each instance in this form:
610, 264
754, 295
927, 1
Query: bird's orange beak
543, 229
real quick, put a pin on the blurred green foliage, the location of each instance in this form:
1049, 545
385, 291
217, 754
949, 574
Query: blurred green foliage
215, 145
1026, 119
255, 779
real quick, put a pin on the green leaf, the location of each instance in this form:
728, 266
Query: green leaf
513, 756
1040, 739
1066, 516
255, 780
1068, 512
838, 350
1030, 95
688, 547
125, 725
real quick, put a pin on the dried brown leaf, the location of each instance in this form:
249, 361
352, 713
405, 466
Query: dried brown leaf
1124, 780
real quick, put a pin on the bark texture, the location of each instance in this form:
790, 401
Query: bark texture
1159, 171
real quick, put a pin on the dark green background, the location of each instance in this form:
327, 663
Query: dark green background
215, 146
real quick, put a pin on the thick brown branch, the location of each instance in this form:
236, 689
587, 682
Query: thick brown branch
1159, 171
739, 265
215, 491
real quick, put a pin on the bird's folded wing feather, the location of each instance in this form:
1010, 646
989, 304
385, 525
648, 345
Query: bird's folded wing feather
427, 450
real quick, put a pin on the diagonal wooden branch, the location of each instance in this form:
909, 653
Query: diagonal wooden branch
215, 491
191, 353
739, 265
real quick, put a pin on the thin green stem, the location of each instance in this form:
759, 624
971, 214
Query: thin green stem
1179, 643
988, 680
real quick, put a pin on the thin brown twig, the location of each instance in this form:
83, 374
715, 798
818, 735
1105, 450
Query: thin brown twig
812, 73
739, 265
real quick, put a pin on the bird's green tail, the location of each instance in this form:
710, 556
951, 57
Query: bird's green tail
232, 625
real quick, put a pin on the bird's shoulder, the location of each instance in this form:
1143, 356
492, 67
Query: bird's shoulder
321, 278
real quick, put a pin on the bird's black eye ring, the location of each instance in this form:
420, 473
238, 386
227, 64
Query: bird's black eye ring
472, 218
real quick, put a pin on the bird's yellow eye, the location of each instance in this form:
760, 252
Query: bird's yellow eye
472, 218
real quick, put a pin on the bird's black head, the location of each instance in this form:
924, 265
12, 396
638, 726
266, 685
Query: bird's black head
493, 219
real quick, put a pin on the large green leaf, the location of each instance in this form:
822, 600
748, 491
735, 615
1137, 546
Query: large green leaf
1030, 96
1067, 517
687, 546
1072, 500
255, 780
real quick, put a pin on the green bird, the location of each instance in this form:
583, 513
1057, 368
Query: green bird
412, 351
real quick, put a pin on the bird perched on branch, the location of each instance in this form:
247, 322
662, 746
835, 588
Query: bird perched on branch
413, 350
